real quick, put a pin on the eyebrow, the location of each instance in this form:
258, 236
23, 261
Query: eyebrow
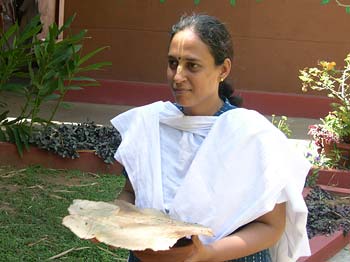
189, 59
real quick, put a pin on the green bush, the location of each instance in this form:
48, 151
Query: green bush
40, 71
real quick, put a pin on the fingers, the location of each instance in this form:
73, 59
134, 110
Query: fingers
197, 244
112, 247
94, 240
196, 241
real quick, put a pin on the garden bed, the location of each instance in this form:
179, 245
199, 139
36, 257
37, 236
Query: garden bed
333, 177
325, 246
87, 162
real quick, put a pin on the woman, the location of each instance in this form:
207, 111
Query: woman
203, 160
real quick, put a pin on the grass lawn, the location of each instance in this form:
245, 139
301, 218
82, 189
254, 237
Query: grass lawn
33, 202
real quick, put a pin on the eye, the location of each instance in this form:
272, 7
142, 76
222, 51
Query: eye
192, 66
172, 63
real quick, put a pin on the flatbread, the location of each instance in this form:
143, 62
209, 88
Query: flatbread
123, 225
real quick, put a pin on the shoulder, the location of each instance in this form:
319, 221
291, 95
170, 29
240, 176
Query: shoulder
143, 114
245, 116
251, 121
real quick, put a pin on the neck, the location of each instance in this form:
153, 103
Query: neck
208, 109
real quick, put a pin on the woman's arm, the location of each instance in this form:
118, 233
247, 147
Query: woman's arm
258, 235
127, 193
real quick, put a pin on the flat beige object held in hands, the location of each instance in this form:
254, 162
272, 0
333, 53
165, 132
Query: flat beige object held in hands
123, 225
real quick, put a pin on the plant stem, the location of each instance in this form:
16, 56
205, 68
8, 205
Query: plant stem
341, 4
56, 107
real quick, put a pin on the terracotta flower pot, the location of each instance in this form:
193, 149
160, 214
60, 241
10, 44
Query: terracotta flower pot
343, 148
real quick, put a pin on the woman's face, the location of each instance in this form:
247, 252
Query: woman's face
192, 74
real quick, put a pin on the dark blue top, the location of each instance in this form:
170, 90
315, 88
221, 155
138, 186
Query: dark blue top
225, 107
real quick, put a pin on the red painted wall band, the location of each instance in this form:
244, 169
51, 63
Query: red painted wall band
136, 94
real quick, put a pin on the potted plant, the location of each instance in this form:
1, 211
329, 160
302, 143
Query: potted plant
40, 71
332, 136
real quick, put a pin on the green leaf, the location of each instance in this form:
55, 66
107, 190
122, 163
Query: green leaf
162, 1
38, 54
31, 72
13, 87
3, 115
91, 54
52, 97
66, 105
90, 84
347, 9
51, 38
95, 66
60, 85
83, 78
74, 88
196, 2
39, 120
3, 137
24, 135
49, 74
67, 23
324, 2
74, 39
30, 30
233, 2
21, 74
4, 37
13, 135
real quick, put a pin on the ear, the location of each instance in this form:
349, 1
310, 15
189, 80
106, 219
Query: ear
225, 68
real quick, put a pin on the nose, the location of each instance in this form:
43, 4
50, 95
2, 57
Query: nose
179, 74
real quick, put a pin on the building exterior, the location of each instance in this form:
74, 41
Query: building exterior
273, 39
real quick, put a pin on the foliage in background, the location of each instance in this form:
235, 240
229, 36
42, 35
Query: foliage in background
323, 2
40, 71
335, 127
67, 139
281, 124
339, 3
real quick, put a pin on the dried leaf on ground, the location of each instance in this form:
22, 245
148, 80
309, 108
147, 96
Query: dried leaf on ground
125, 226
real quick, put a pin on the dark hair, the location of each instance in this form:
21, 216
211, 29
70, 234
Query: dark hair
216, 36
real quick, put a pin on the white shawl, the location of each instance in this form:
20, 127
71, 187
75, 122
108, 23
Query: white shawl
241, 169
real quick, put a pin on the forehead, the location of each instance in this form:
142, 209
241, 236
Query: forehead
187, 43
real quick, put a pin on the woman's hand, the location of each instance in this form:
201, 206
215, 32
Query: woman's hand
201, 253
175, 254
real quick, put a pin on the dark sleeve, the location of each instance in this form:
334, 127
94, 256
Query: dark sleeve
125, 174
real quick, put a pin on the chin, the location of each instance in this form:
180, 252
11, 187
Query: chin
181, 102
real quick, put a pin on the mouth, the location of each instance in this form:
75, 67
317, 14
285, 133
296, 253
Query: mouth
181, 90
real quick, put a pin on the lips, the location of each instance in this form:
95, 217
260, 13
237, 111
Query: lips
181, 91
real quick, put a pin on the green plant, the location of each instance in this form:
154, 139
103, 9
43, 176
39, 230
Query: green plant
40, 71
339, 3
281, 124
335, 127
334, 82
67, 139
323, 2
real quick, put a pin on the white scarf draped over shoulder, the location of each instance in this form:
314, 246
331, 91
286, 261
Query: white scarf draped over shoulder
236, 167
